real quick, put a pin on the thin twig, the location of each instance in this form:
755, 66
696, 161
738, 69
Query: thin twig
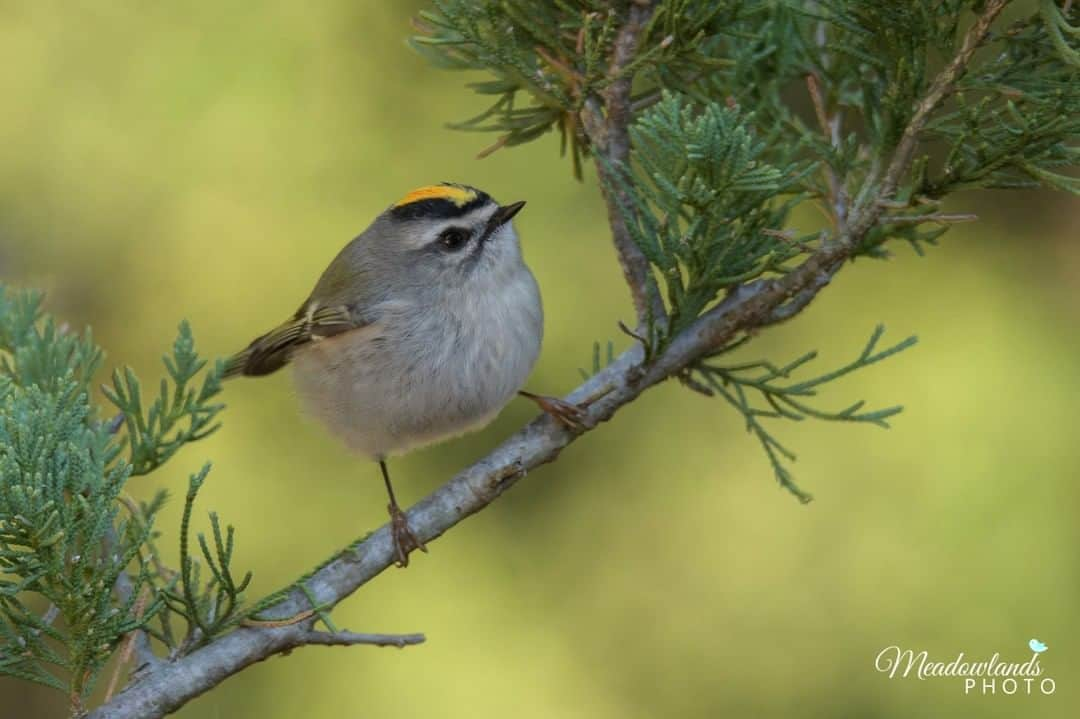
944, 218
124, 589
497, 145
631, 333
819, 104
830, 128
348, 639
939, 89
129, 644
113, 426
49, 616
271, 623
136, 514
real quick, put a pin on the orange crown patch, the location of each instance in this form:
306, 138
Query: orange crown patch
460, 196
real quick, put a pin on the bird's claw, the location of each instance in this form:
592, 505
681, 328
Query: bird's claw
569, 415
402, 535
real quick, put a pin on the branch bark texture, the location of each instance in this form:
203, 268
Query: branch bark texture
610, 138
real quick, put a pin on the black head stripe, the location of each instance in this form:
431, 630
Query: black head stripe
438, 208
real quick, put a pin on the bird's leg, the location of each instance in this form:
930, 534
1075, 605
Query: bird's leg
567, 414
404, 539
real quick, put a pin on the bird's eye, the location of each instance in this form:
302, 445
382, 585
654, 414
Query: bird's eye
453, 238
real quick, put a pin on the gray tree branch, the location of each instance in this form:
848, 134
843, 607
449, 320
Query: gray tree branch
609, 133
170, 684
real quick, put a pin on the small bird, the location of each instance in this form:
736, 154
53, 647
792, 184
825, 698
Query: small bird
422, 328
1036, 646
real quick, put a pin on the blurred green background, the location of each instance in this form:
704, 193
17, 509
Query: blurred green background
207, 159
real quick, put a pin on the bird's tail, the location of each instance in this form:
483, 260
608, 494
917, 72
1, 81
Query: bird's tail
236, 364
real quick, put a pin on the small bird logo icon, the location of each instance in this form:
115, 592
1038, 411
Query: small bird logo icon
1037, 646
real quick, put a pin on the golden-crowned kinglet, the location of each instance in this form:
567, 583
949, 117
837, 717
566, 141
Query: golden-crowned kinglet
422, 328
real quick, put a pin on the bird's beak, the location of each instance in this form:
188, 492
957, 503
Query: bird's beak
505, 213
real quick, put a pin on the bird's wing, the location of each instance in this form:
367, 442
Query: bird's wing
272, 351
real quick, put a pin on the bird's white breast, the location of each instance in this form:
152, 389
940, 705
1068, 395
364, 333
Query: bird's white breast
423, 373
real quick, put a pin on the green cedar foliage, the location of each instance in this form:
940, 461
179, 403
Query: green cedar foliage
79, 569
744, 110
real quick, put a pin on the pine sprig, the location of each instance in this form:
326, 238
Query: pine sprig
706, 203
524, 46
1016, 120
598, 364
181, 413
34, 350
79, 565
63, 546
212, 606
738, 383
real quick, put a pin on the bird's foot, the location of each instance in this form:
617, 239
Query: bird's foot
565, 413
404, 539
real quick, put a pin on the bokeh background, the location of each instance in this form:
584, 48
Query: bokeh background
205, 160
